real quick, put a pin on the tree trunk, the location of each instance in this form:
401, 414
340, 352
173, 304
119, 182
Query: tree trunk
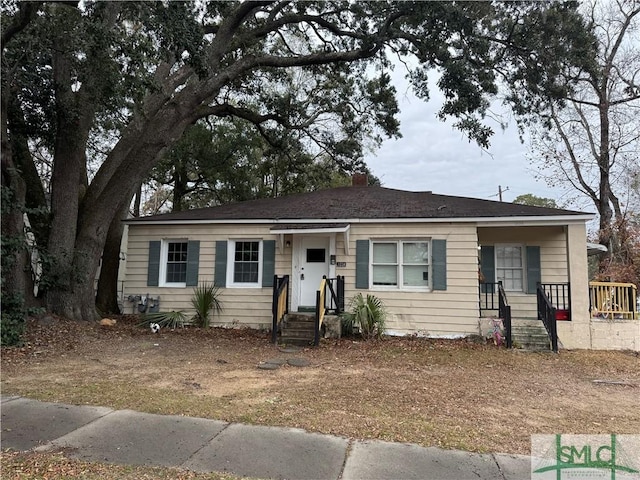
180, 186
66, 269
35, 199
77, 299
107, 290
15, 268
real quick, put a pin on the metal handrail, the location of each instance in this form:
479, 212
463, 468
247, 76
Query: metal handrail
504, 312
559, 294
486, 296
547, 313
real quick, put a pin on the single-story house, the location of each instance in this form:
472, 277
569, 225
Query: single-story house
434, 260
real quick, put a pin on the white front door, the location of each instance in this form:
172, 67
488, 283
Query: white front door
314, 263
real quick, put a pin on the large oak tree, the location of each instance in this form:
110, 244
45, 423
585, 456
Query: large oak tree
106, 88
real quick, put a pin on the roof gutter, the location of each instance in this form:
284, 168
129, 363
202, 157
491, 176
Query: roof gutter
481, 221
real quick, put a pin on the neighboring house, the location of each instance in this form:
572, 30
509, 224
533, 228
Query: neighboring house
421, 253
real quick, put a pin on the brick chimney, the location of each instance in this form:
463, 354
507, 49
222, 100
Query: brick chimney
359, 180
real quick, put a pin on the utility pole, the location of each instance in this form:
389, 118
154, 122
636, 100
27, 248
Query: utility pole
500, 191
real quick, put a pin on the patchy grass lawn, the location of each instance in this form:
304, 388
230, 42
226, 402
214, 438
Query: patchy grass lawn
450, 394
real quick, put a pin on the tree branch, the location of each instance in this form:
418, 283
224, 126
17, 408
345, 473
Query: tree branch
20, 21
574, 161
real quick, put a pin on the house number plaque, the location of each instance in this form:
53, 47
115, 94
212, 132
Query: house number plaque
341, 264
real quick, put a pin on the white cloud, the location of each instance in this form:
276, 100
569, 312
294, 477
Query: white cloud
432, 155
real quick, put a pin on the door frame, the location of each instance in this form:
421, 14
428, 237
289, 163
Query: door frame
297, 260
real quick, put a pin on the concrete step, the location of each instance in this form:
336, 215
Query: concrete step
530, 335
297, 324
298, 342
298, 329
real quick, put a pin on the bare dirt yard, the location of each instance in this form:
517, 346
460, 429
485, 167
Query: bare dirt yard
451, 394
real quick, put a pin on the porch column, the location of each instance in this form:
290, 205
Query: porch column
577, 332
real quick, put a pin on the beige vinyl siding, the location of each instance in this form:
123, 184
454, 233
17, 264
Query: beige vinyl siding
249, 307
450, 312
552, 241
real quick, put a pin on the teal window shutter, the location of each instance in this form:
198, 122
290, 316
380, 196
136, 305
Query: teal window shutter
362, 264
268, 262
439, 264
153, 266
193, 262
220, 274
488, 263
533, 269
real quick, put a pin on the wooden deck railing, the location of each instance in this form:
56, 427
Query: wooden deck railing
280, 303
320, 309
611, 300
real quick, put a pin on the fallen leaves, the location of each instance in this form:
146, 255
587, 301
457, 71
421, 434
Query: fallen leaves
57, 466
450, 393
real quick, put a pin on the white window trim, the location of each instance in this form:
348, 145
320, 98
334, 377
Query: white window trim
400, 266
164, 258
523, 268
231, 253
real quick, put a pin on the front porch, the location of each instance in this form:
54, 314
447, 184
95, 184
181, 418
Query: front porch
305, 327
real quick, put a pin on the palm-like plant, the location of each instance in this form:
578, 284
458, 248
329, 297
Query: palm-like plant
205, 301
170, 320
368, 314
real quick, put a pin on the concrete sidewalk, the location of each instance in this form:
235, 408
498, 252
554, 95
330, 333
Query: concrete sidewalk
132, 438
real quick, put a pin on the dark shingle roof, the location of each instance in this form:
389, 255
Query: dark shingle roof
360, 202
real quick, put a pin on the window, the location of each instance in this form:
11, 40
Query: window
385, 264
400, 264
173, 268
245, 262
509, 267
316, 255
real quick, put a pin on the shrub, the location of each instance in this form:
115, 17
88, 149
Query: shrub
206, 302
13, 321
171, 319
367, 314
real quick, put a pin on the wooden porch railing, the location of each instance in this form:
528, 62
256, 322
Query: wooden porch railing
280, 303
334, 301
320, 310
611, 300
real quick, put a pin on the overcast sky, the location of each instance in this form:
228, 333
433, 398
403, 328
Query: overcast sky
432, 155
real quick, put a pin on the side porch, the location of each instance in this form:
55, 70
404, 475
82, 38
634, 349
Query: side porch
614, 321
